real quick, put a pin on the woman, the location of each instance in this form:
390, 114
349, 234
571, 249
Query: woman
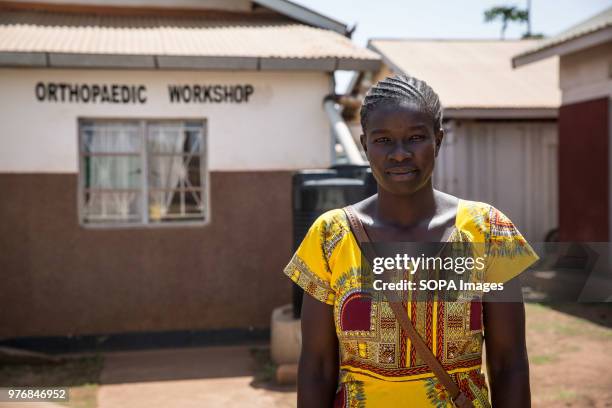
354, 353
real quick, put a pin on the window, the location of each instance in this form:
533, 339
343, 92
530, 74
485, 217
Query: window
142, 172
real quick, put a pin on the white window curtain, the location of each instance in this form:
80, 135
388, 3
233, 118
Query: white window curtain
167, 169
114, 172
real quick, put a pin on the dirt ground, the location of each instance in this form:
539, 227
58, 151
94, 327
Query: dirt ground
570, 353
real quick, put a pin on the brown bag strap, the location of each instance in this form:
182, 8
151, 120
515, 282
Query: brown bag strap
458, 397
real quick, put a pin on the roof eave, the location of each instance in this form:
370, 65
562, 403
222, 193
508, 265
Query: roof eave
579, 43
304, 15
513, 113
180, 62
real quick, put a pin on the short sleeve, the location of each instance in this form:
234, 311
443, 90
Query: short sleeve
309, 267
508, 253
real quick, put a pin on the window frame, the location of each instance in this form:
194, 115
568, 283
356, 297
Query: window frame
144, 223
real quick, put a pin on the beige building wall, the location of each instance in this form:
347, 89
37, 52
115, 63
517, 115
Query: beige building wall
274, 130
586, 74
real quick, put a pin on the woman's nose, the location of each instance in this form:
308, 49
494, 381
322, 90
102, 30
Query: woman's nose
399, 153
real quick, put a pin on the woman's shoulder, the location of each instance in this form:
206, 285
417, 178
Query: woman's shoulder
508, 252
485, 221
482, 218
330, 230
330, 218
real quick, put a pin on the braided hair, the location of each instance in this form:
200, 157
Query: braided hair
403, 88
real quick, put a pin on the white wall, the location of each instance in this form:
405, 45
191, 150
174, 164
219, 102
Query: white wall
586, 74
282, 127
512, 166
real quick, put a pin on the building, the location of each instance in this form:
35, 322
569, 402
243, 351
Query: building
585, 125
501, 130
146, 159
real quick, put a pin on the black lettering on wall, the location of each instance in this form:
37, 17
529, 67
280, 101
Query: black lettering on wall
62, 88
74, 93
142, 98
186, 94
51, 89
104, 93
197, 93
229, 93
95, 93
41, 91
175, 95
115, 93
86, 93
218, 94
210, 93
248, 91
126, 94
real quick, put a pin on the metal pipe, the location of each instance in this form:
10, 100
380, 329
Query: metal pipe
342, 132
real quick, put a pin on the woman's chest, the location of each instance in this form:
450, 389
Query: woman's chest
371, 338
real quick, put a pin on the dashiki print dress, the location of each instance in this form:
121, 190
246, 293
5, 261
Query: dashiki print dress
378, 365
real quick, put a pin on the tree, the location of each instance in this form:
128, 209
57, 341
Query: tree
506, 14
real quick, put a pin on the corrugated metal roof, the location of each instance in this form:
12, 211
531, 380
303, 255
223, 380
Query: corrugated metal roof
596, 23
256, 36
303, 14
475, 73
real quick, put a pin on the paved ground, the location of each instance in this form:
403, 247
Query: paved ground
197, 377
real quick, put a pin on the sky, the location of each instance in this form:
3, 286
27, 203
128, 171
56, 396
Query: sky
450, 19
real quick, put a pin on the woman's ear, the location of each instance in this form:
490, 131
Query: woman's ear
362, 139
439, 137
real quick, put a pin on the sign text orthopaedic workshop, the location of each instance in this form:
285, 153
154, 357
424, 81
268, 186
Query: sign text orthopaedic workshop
137, 94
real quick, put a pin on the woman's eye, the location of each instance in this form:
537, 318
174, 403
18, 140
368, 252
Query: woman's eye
381, 140
417, 137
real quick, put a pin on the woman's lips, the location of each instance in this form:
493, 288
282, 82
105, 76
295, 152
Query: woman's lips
402, 173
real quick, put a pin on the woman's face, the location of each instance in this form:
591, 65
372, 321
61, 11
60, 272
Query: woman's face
401, 145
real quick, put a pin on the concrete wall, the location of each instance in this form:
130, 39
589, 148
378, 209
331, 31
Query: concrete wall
587, 74
60, 279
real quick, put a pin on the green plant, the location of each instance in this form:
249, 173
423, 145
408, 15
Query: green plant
506, 14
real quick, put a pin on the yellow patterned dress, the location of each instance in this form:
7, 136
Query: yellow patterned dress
378, 365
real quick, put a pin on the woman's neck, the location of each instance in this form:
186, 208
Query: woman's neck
406, 210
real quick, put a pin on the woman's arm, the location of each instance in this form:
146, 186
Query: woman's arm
318, 369
507, 364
